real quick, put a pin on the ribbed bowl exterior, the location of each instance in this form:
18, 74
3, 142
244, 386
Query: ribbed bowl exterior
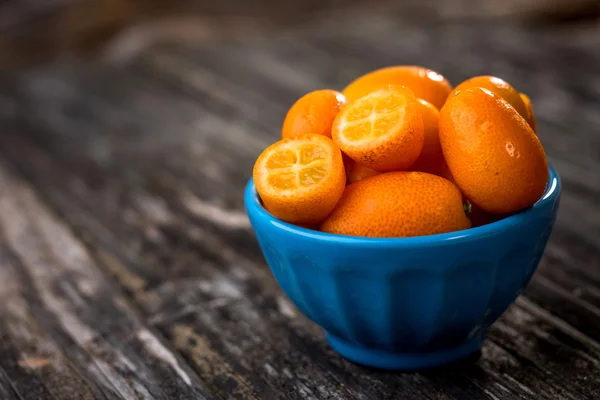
407, 295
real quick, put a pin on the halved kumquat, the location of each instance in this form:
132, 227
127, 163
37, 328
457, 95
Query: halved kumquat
300, 180
382, 130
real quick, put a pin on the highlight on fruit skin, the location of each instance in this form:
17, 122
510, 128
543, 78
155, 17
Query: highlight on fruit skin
497, 86
398, 204
313, 113
300, 180
425, 83
382, 130
492, 153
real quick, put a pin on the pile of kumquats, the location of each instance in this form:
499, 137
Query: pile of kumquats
400, 152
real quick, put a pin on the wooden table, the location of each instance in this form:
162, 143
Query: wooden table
129, 270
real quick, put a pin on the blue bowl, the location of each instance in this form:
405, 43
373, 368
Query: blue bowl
406, 303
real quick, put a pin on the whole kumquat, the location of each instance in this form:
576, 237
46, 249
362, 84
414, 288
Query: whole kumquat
497, 86
358, 172
431, 158
398, 204
493, 154
313, 113
425, 83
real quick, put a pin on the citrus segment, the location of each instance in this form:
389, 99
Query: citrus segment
313, 113
493, 154
283, 159
300, 180
285, 179
382, 130
425, 83
398, 204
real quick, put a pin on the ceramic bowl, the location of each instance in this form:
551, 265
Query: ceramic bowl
406, 303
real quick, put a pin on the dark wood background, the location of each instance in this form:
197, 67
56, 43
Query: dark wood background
128, 268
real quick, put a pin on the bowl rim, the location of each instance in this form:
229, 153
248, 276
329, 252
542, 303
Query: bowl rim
552, 192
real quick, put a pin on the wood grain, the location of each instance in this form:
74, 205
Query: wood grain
67, 332
132, 267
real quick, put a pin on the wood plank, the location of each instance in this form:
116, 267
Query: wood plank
147, 164
6, 389
66, 332
34, 363
65, 171
172, 290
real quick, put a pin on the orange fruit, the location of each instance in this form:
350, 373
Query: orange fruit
476, 215
445, 172
348, 163
530, 115
497, 86
358, 172
493, 154
398, 204
382, 130
313, 113
431, 158
425, 83
300, 180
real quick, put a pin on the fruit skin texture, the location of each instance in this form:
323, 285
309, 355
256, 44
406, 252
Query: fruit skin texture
305, 204
398, 204
431, 158
313, 113
425, 83
530, 115
476, 215
497, 86
493, 154
358, 172
392, 141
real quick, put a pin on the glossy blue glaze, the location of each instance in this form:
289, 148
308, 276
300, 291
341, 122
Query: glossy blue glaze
406, 303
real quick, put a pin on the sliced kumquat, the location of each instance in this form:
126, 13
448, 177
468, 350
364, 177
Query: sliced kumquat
382, 130
300, 180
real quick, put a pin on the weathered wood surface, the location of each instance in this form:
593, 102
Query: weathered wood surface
35, 31
129, 269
